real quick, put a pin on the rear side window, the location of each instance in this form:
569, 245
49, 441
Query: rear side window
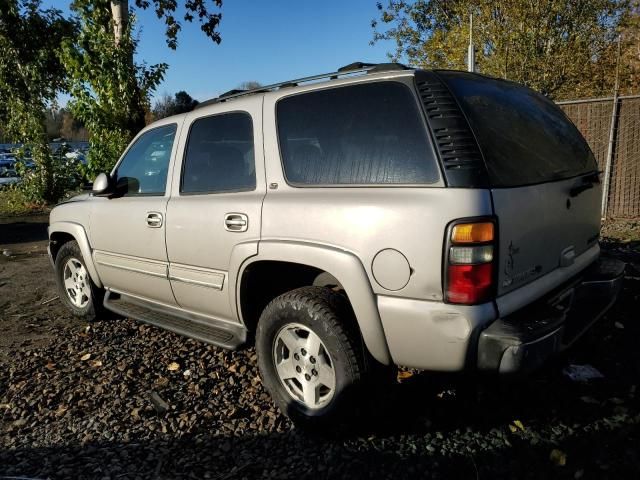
524, 137
219, 155
356, 135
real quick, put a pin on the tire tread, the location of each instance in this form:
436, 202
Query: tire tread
333, 309
71, 248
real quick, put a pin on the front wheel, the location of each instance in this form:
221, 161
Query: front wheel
75, 287
310, 356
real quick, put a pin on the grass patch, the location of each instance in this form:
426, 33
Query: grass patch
14, 203
622, 230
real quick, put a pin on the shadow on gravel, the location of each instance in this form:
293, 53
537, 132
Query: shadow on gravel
293, 455
26, 230
454, 403
427, 426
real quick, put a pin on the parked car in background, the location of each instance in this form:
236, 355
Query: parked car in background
8, 177
7, 156
9, 159
350, 222
7, 163
77, 156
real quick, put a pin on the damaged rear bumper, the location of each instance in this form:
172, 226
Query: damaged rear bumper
525, 339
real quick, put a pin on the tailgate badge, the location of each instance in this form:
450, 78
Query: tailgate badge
509, 264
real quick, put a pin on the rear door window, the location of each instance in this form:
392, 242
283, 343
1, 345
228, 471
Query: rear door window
364, 134
524, 137
219, 155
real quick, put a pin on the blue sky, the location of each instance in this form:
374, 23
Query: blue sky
266, 41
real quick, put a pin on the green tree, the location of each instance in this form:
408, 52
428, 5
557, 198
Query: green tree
110, 91
167, 105
184, 102
562, 48
630, 55
31, 76
166, 10
249, 85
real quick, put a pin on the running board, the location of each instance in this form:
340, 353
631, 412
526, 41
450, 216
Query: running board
208, 330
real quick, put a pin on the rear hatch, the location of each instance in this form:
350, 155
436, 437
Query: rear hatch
542, 175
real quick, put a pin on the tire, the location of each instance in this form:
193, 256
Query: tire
280, 337
84, 300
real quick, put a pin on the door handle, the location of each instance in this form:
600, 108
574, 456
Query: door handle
236, 222
154, 219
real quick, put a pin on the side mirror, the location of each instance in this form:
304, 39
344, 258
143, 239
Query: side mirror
126, 185
102, 186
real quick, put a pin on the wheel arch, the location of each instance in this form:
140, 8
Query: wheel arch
318, 264
62, 232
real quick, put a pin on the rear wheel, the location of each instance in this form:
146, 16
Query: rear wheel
310, 356
75, 287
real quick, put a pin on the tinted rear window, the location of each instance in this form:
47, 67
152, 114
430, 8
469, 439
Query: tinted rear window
361, 134
525, 138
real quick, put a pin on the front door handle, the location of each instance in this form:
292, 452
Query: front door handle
154, 219
236, 222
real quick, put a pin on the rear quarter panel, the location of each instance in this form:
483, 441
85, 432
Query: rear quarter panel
366, 220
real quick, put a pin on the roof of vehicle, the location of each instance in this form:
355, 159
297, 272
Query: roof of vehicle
353, 69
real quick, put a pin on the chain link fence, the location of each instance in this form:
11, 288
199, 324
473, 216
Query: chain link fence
612, 128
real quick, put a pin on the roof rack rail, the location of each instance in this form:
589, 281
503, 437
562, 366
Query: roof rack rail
351, 69
386, 67
356, 66
233, 92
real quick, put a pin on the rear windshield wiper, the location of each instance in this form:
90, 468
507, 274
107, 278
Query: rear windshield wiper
587, 182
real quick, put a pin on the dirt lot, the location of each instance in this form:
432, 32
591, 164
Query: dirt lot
105, 401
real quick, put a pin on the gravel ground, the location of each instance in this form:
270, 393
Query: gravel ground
118, 399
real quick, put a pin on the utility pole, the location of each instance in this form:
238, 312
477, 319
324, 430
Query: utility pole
471, 51
612, 133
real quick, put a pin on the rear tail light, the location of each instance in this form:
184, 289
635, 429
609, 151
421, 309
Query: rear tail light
469, 263
469, 284
472, 232
471, 255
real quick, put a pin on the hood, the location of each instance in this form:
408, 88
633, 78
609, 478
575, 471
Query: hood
77, 198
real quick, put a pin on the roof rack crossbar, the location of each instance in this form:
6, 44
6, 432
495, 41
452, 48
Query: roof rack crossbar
351, 69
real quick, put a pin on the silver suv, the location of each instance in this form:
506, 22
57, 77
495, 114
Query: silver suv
347, 223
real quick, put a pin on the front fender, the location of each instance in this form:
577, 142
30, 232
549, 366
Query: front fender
348, 270
80, 235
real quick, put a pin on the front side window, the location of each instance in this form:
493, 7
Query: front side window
219, 155
370, 133
143, 170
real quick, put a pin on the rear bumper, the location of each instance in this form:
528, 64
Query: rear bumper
523, 340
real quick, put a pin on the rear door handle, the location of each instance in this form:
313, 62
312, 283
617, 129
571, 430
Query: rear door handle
236, 222
154, 219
